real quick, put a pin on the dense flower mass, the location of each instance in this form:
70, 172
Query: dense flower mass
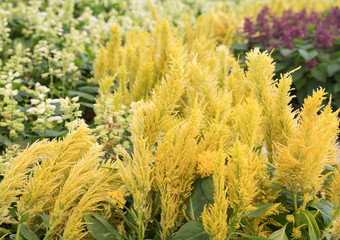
274, 31
163, 133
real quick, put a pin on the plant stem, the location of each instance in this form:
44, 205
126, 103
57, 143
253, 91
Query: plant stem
335, 215
17, 237
295, 202
231, 229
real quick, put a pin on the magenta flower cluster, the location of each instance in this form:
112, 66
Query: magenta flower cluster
282, 31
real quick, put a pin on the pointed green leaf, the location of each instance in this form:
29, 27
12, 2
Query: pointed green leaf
279, 234
192, 230
251, 237
202, 194
325, 208
286, 52
313, 228
319, 74
260, 209
28, 233
100, 229
24, 217
308, 55
332, 69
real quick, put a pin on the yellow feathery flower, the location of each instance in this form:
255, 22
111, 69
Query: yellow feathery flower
136, 174
296, 234
144, 82
214, 217
260, 74
216, 135
299, 164
154, 117
225, 62
113, 51
240, 177
206, 162
15, 178
117, 198
335, 232
279, 117
335, 189
237, 84
248, 120
90, 202
175, 170
100, 65
82, 174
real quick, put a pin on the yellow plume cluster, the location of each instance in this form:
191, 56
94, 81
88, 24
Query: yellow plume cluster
312, 146
215, 217
199, 109
61, 179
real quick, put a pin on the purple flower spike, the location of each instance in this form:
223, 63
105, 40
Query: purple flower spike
311, 63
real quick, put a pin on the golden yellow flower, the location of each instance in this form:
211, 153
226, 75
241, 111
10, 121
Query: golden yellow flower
117, 198
206, 161
290, 218
296, 234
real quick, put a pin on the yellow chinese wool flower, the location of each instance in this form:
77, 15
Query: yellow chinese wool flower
206, 162
117, 198
312, 146
214, 217
240, 177
296, 234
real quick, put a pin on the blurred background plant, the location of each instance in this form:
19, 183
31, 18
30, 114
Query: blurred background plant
306, 39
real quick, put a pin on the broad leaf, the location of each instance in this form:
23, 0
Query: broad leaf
192, 230
260, 209
251, 237
279, 234
286, 52
84, 95
100, 229
308, 55
319, 74
332, 69
201, 195
325, 208
313, 228
28, 233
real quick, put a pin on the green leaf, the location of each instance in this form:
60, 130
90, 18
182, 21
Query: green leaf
201, 195
52, 133
332, 69
89, 105
251, 237
336, 87
298, 74
325, 208
239, 47
279, 234
46, 220
24, 217
260, 209
5, 140
308, 55
100, 229
4, 231
192, 230
313, 228
28, 233
89, 89
299, 83
286, 52
319, 75
84, 95
280, 66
